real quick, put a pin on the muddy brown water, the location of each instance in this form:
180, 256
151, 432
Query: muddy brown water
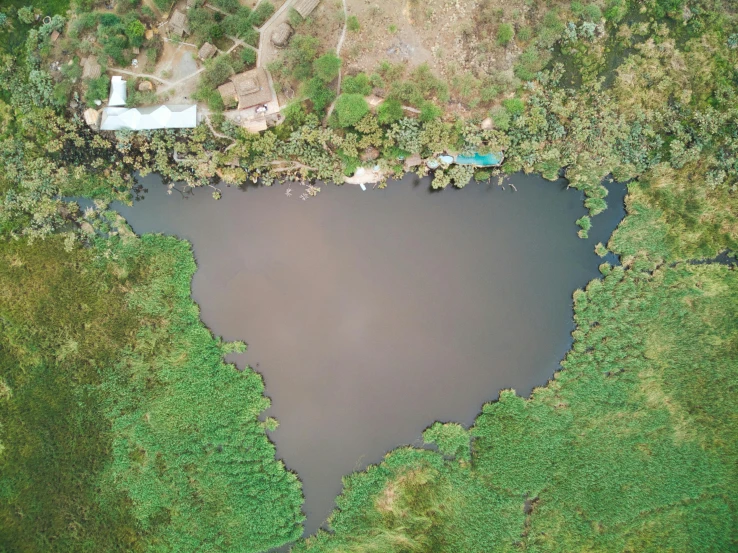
373, 314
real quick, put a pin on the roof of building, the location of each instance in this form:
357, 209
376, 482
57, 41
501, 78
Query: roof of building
149, 118
207, 51
305, 7
178, 23
281, 35
90, 68
118, 91
252, 88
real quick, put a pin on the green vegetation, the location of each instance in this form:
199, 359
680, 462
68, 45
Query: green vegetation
631, 448
351, 108
122, 428
326, 67
505, 34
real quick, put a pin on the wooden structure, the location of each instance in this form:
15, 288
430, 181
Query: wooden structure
178, 25
207, 51
252, 88
306, 7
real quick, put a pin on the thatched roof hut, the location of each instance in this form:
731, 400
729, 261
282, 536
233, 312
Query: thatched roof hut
207, 51
178, 24
281, 35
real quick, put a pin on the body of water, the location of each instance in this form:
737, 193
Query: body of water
373, 314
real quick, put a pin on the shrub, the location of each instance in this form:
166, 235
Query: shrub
217, 72
616, 10
514, 106
592, 12
358, 84
211, 97
294, 17
595, 206
530, 63
262, 12
451, 438
319, 94
135, 31
482, 175
585, 223
229, 6
350, 109
353, 23
505, 34
109, 20
668, 7
97, 89
429, 111
327, 66
299, 56
501, 119
248, 56
25, 15
390, 111
525, 34
250, 36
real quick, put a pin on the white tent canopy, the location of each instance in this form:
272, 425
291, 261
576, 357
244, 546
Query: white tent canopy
149, 118
117, 91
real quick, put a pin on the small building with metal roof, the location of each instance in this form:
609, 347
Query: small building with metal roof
149, 118
118, 92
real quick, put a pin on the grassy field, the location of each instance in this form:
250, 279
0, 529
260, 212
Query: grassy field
123, 429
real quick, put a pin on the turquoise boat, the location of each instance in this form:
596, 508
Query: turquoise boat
493, 159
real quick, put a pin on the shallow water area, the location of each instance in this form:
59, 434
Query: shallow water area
373, 314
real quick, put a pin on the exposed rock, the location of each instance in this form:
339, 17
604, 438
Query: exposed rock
487, 124
145, 86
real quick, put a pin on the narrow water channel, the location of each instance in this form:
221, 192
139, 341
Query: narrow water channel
373, 314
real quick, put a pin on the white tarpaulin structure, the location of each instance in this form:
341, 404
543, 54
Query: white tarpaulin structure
117, 91
149, 118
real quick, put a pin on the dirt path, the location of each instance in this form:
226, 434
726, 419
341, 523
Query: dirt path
265, 26
146, 75
236, 43
338, 54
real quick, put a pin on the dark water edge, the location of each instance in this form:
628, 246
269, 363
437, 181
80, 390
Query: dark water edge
372, 314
